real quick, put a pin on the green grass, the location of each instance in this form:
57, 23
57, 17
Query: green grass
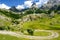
42, 33
5, 22
38, 33
44, 23
8, 37
58, 38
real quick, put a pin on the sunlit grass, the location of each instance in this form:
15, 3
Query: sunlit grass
8, 37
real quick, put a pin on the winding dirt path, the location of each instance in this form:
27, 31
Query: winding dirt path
53, 35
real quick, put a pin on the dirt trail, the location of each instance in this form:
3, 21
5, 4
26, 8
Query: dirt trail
53, 35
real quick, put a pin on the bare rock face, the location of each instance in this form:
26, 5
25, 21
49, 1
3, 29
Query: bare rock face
13, 8
51, 3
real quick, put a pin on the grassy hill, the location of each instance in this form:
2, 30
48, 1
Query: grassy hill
43, 20
28, 20
48, 22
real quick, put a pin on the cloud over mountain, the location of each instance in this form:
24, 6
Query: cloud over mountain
4, 6
28, 4
19, 7
39, 3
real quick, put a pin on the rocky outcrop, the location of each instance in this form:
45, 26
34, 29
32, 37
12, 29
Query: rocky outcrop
50, 4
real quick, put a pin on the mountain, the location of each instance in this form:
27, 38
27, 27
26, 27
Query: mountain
50, 4
13, 8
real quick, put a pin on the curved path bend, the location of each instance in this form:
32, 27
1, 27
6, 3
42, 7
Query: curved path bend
53, 35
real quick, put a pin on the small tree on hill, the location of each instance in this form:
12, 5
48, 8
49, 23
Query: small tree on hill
30, 31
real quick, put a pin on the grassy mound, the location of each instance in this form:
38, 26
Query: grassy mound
8, 37
42, 33
46, 22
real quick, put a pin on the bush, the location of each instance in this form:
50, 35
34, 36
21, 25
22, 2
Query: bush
30, 31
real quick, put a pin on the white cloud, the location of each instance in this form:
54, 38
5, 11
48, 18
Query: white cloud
45, 1
28, 3
41, 2
4, 6
28, 0
19, 7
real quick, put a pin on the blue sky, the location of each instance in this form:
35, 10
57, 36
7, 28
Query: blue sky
20, 4
12, 2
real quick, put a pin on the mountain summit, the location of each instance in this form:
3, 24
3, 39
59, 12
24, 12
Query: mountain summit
51, 3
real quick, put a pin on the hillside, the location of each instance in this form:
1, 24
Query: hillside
16, 19
31, 23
